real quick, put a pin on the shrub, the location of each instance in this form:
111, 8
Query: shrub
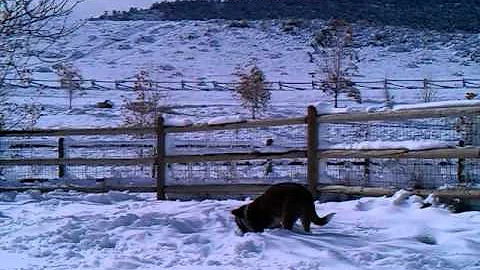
239, 24
147, 105
336, 58
428, 94
252, 90
70, 79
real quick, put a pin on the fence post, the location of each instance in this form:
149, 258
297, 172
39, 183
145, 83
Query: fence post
61, 155
312, 147
160, 159
366, 171
388, 100
460, 167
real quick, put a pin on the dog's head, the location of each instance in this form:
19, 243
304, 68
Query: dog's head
241, 218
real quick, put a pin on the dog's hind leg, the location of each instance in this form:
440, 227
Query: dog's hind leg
289, 216
305, 223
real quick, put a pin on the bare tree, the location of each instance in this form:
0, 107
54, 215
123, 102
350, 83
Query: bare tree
70, 79
147, 105
252, 90
428, 93
143, 111
336, 58
27, 29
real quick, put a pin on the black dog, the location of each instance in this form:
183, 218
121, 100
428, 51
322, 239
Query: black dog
280, 206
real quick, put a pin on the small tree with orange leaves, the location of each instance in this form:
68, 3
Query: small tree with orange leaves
253, 90
333, 45
147, 105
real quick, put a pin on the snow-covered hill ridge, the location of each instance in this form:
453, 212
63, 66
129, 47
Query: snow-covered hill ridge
426, 14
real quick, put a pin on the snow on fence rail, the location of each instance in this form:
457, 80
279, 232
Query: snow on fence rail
452, 164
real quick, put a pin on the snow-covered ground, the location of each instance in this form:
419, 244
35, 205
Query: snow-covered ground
116, 230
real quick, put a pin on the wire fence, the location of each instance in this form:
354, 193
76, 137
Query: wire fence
201, 99
238, 141
394, 173
211, 85
427, 173
422, 148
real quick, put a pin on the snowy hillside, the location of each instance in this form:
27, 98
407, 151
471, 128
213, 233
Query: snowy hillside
193, 50
128, 231
206, 51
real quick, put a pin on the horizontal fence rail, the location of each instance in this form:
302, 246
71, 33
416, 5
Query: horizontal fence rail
400, 115
468, 152
212, 85
80, 161
77, 132
239, 125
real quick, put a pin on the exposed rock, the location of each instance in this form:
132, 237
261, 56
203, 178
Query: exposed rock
239, 24
475, 55
43, 70
166, 67
52, 55
145, 39
107, 104
400, 48
77, 55
124, 46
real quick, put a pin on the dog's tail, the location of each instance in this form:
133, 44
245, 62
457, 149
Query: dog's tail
322, 220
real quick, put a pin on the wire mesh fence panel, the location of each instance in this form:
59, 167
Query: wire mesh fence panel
395, 173
446, 129
30, 173
411, 135
469, 171
116, 175
23, 147
112, 147
95, 147
76, 174
246, 140
238, 140
253, 171
28, 147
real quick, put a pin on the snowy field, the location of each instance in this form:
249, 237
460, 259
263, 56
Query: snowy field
61, 230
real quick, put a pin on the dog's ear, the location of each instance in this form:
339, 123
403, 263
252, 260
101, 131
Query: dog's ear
239, 211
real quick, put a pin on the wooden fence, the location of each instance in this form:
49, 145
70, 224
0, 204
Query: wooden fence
212, 85
312, 153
